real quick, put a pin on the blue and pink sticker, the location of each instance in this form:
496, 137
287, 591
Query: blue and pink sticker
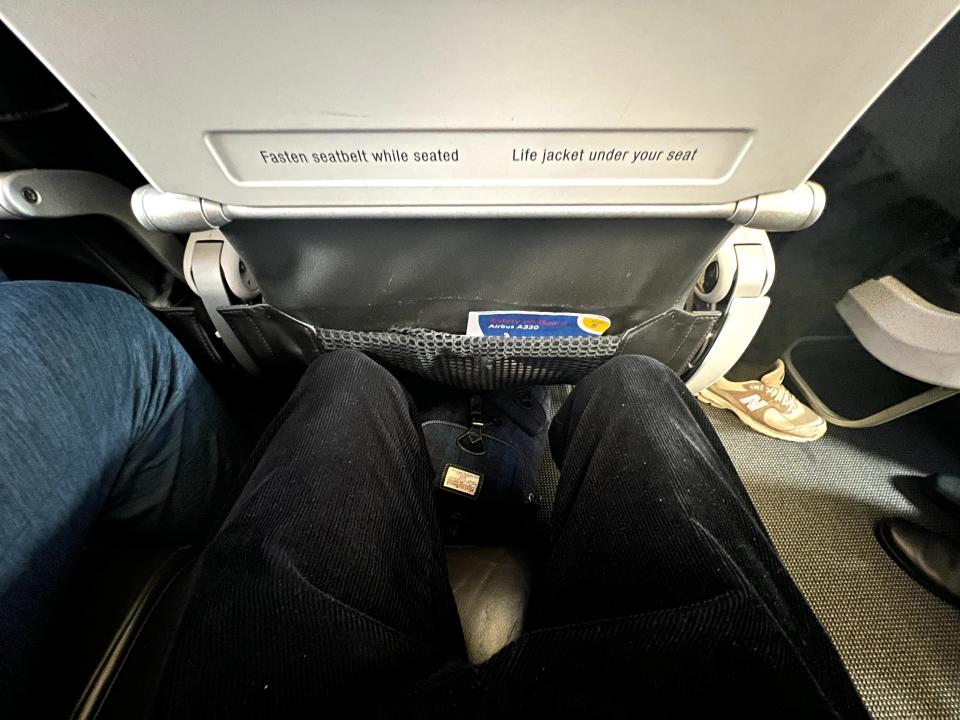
524, 323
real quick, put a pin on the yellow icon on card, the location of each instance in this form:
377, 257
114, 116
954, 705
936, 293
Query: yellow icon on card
596, 324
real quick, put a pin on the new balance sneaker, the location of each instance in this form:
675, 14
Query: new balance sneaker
767, 406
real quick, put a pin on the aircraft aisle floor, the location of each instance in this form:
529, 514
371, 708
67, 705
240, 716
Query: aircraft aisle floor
819, 502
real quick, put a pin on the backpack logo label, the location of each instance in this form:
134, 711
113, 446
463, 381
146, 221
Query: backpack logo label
461, 481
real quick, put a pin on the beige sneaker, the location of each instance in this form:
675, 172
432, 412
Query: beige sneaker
767, 406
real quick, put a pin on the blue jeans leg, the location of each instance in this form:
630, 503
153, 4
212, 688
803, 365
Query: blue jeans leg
105, 420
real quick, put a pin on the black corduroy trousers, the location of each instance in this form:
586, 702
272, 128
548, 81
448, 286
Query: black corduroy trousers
658, 593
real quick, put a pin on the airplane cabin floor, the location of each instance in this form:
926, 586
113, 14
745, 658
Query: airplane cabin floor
819, 502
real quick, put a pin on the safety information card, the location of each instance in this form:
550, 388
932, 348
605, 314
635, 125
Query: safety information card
523, 323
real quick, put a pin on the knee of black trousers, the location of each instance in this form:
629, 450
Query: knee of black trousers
351, 371
629, 374
618, 387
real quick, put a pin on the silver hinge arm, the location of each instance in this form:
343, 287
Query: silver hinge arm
205, 277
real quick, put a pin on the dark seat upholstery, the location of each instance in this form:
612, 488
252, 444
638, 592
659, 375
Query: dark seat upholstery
491, 586
118, 600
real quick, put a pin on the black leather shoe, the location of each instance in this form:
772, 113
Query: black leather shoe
945, 490
932, 559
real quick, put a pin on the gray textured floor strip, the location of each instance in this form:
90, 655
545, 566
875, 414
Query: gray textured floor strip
819, 502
